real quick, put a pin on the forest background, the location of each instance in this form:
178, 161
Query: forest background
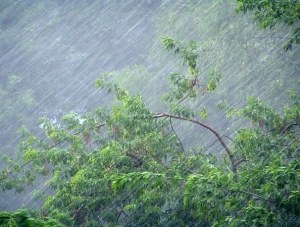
52, 53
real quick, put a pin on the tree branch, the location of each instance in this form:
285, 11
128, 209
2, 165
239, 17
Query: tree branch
228, 151
194, 83
180, 101
239, 162
287, 127
11, 172
250, 193
77, 211
122, 211
218, 139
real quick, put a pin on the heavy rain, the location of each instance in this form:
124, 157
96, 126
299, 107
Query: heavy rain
53, 51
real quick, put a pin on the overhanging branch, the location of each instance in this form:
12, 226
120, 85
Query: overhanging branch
228, 151
287, 127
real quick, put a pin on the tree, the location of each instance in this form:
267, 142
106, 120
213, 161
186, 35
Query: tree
22, 218
269, 13
126, 166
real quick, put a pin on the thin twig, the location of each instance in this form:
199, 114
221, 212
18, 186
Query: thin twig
185, 96
233, 141
228, 138
250, 193
194, 83
218, 139
122, 211
176, 135
77, 211
11, 172
213, 143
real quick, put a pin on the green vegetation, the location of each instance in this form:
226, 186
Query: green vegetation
20, 218
138, 162
269, 13
126, 165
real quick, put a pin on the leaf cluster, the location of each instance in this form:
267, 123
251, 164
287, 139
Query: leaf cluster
269, 13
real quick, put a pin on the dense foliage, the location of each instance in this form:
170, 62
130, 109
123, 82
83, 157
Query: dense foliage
269, 13
21, 218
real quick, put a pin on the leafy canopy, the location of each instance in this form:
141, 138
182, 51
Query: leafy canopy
268, 13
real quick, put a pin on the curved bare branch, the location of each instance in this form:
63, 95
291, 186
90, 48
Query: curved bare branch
228, 151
